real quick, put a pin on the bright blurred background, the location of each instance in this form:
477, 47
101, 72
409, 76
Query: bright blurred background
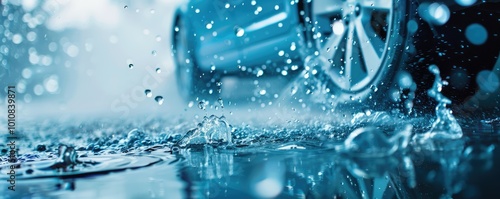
75, 57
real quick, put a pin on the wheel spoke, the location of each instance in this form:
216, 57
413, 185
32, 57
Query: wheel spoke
353, 38
348, 55
377, 4
331, 45
368, 46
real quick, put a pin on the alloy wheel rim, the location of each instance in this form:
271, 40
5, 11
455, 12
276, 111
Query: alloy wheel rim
352, 38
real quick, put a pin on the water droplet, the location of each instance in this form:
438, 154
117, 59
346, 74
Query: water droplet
435, 13
281, 53
262, 92
152, 11
154, 52
221, 103
476, 34
239, 31
148, 93
488, 81
260, 73
131, 66
125, 7
412, 26
465, 3
209, 26
158, 70
159, 99
293, 90
338, 27
202, 105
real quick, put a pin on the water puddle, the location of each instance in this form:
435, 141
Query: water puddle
70, 164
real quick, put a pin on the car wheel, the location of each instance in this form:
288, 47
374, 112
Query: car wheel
357, 45
192, 82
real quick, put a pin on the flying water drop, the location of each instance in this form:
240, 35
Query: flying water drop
131, 66
159, 99
221, 103
293, 90
476, 34
239, 31
202, 105
148, 93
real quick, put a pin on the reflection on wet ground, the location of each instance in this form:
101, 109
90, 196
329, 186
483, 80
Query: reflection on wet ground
376, 159
302, 171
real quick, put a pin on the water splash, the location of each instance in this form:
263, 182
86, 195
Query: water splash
446, 125
312, 86
134, 138
372, 142
213, 130
378, 117
371, 154
67, 158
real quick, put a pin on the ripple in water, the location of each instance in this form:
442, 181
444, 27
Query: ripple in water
68, 163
